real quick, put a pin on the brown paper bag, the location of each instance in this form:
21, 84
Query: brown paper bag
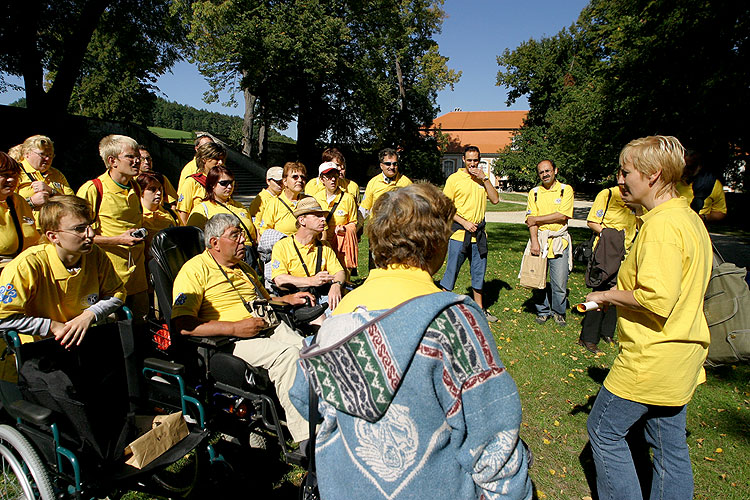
158, 434
533, 271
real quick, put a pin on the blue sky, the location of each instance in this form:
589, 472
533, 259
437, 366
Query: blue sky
474, 33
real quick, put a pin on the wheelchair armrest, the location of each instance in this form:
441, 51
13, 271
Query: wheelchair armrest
30, 412
209, 342
308, 313
280, 305
164, 366
235, 372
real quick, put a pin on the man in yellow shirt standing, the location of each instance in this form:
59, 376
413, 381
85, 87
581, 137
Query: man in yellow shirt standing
388, 180
63, 286
468, 189
548, 209
118, 216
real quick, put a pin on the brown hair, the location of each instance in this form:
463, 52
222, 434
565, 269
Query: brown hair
209, 151
291, 166
212, 179
60, 205
8, 164
410, 226
148, 180
333, 154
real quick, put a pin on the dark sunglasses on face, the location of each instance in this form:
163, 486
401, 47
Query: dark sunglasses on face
226, 183
298, 176
390, 163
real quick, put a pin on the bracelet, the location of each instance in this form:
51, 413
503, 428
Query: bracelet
31, 203
339, 283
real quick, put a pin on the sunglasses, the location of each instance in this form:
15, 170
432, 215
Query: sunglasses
390, 163
298, 176
225, 183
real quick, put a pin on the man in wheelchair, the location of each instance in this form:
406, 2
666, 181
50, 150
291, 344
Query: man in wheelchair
213, 295
303, 262
61, 287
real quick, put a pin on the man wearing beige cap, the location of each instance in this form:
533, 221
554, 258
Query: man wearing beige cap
303, 262
273, 189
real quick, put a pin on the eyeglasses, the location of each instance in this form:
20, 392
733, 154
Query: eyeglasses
42, 155
235, 236
298, 176
226, 182
134, 158
390, 163
80, 229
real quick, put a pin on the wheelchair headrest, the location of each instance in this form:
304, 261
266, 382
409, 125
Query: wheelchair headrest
174, 246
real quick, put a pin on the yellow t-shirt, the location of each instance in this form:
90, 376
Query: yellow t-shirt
469, 197
284, 258
258, 205
37, 284
350, 187
189, 169
345, 212
120, 211
662, 350
715, 202
378, 186
52, 177
170, 193
201, 290
387, 288
191, 193
278, 216
207, 209
616, 216
155, 221
314, 186
542, 201
8, 234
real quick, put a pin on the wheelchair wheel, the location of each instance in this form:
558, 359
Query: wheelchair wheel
22, 473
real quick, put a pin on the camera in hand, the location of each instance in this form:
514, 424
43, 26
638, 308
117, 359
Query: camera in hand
140, 233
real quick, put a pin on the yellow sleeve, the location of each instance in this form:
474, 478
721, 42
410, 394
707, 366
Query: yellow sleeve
450, 189
197, 217
170, 193
566, 207
187, 294
16, 288
332, 263
596, 214
716, 201
88, 192
110, 284
658, 277
531, 207
280, 259
367, 198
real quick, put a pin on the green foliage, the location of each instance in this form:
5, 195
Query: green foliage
333, 65
626, 70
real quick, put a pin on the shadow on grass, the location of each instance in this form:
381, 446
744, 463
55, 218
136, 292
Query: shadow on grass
491, 291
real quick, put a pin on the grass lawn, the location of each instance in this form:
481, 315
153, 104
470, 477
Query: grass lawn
504, 206
513, 197
558, 380
168, 133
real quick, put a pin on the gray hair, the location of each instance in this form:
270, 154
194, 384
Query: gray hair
216, 225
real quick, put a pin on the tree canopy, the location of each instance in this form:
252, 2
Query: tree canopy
349, 71
626, 70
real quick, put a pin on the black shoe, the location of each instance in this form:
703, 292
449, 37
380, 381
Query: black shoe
590, 346
609, 340
560, 319
541, 318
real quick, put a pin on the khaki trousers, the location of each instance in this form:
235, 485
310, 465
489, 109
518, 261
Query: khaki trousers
278, 354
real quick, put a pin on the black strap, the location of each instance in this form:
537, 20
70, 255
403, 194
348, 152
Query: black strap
287, 206
609, 197
31, 177
16, 223
312, 422
333, 208
562, 192
318, 259
257, 286
247, 232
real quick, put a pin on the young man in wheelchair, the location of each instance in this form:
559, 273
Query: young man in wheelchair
213, 295
63, 286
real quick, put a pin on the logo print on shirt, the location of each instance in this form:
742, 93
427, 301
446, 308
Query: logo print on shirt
8, 293
181, 298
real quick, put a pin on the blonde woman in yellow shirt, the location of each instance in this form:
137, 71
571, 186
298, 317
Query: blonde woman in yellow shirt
662, 330
17, 225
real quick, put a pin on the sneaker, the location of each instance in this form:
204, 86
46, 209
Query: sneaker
541, 318
560, 319
490, 317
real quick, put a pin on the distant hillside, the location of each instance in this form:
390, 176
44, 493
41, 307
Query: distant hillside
175, 116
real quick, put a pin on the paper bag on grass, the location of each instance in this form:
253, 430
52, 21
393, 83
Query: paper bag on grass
157, 434
533, 271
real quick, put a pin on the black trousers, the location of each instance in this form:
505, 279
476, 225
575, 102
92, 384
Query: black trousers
600, 324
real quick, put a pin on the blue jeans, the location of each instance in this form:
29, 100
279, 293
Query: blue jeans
456, 259
609, 422
554, 298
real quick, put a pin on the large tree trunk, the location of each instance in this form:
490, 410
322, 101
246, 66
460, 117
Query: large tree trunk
247, 123
309, 126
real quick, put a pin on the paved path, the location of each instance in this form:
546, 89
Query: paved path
580, 212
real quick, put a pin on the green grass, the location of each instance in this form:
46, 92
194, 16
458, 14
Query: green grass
504, 206
558, 380
168, 133
512, 197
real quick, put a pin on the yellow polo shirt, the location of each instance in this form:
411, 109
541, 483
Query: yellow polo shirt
8, 234
558, 198
207, 209
469, 197
120, 211
345, 212
170, 193
662, 349
258, 205
52, 177
201, 290
350, 187
191, 193
715, 202
387, 288
37, 284
155, 221
189, 169
314, 186
284, 259
615, 216
377, 186
279, 217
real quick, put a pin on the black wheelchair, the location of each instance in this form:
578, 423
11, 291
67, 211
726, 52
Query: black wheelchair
239, 399
69, 415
